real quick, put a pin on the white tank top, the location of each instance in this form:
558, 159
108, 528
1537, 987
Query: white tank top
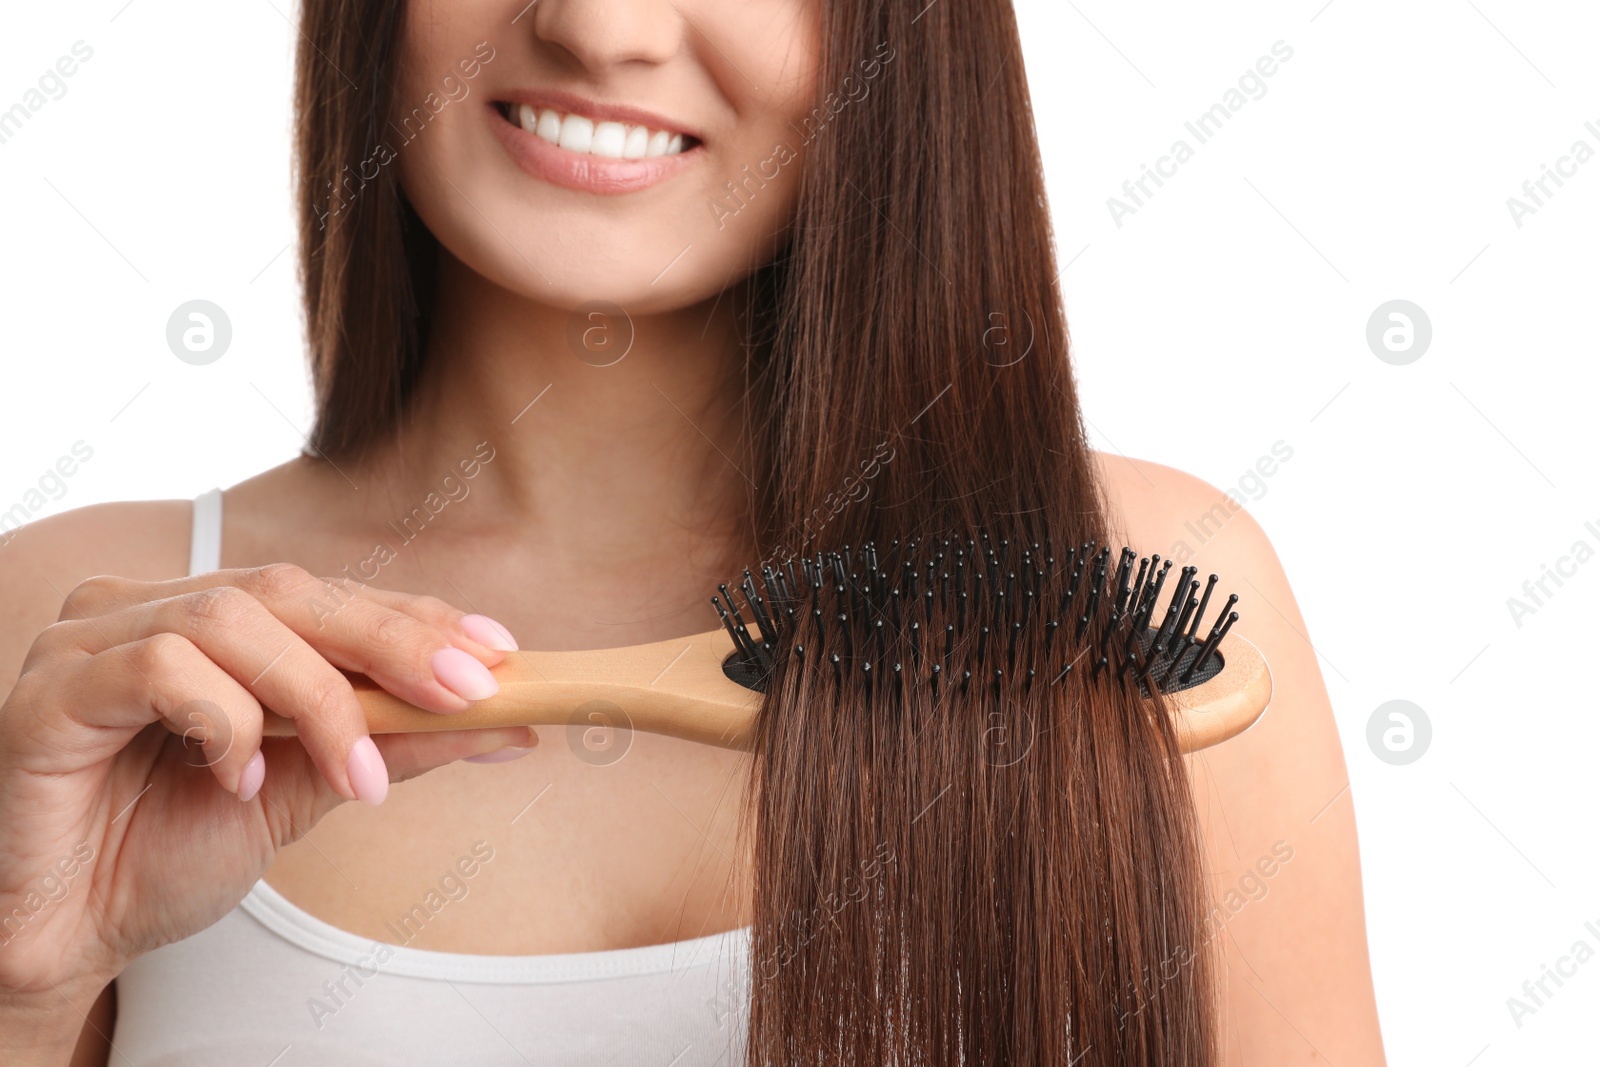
270, 985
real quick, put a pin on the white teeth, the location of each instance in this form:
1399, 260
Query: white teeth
577, 133
549, 126
611, 140
638, 140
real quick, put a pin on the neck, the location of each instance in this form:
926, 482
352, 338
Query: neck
595, 458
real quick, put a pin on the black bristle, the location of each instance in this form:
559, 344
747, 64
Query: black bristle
758, 609
1095, 583
1190, 604
1138, 583
733, 609
727, 623
1201, 610
1124, 565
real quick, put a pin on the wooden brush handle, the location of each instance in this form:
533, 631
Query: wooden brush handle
673, 687
677, 688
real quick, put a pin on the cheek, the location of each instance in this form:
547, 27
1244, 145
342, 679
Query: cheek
773, 91
436, 37
784, 49
432, 124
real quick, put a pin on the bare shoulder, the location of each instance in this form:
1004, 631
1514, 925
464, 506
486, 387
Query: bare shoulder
1274, 802
146, 540
1177, 514
1185, 519
41, 562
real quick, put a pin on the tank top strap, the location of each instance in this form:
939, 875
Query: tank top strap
205, 540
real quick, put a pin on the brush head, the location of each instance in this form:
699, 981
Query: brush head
948, 612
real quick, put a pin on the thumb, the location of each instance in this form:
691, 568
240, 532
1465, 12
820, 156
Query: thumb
408, 755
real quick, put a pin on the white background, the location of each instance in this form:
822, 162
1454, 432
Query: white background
1227, 313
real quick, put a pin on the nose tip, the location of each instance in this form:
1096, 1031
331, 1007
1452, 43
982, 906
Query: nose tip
604, 33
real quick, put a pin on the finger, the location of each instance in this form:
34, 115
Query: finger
404, 655
163, 677
409, 755
281, 606
478, 634
274, 664
105, 593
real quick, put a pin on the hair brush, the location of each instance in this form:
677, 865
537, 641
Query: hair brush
944, 613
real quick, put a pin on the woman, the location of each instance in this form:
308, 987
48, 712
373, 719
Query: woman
605, 302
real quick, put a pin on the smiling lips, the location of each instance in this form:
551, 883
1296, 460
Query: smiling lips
591, 153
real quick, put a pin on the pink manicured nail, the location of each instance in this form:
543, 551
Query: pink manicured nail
501, 755
369, 776
488, 633
464, 676
255, 772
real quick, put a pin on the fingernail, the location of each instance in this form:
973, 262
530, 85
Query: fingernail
255, 772
464, 676
488, 633
369, 776
501, 755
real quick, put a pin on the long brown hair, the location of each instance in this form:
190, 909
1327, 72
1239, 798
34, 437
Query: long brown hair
917, 900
